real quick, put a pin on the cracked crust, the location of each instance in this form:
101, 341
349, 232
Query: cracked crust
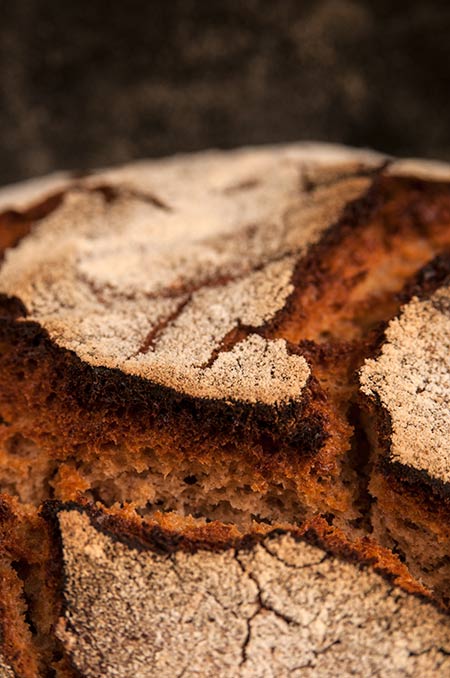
261, 609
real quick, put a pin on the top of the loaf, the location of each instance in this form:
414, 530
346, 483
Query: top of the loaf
148, 268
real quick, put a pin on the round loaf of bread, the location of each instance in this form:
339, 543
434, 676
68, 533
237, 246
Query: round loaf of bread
224, 418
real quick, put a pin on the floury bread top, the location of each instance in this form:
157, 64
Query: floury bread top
150, 268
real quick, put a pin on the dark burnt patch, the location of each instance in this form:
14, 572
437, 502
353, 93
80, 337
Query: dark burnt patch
98, 400
218, 537
142, 536
432, 276
11, 307
430, 492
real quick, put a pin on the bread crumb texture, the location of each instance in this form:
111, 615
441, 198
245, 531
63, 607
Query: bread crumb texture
278, 609
411, 379
150, 267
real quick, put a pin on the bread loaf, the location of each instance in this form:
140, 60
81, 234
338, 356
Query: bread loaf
223, 376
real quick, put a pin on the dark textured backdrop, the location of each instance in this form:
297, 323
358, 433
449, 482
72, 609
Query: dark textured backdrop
90, 83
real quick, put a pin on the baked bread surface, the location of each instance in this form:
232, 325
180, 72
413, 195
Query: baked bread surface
256, 338
276, 607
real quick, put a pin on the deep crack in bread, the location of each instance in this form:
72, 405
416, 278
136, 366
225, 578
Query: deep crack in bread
225, 356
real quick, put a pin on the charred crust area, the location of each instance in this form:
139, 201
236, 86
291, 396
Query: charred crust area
98, 403
142, 536
11, 308
432, 276
217, 537
431, 493
214, 537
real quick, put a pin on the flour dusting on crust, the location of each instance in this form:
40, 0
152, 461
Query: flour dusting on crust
411, 378
148, 268
278, 609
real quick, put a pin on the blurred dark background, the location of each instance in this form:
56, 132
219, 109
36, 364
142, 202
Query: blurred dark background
92, 83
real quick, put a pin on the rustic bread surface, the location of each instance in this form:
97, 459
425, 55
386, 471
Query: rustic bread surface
277, 607
257, 338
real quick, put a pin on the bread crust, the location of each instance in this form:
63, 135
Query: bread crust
291, 307
267, 578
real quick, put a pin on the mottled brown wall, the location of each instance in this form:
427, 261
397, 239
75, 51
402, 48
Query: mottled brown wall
85, 83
